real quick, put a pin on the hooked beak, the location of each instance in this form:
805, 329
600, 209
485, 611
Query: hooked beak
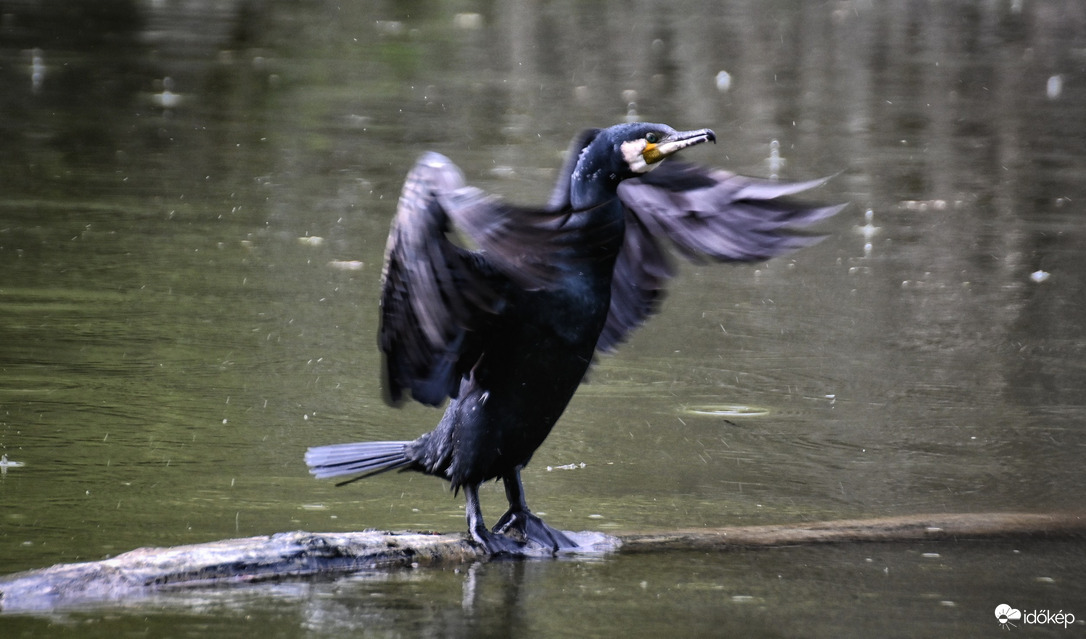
676, 142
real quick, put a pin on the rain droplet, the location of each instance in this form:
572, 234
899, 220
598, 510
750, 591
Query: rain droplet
1054, 87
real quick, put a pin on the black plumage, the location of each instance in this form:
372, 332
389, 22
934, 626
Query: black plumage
508, 329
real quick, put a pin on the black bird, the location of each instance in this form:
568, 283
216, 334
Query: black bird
509, 329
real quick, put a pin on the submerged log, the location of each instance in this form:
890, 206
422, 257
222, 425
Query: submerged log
946, 527
302, 554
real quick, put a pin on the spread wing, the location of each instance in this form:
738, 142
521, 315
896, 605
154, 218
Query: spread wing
707, 214
439, 298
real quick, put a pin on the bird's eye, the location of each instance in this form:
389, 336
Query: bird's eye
652, 138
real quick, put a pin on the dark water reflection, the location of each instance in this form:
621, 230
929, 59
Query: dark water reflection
193, 203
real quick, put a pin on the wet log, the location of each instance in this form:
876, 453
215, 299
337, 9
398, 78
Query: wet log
144, 571
946, 527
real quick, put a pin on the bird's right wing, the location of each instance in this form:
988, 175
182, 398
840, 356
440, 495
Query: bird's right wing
706, 214
437, 296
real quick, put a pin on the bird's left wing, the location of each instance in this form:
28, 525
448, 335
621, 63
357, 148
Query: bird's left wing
433, 292
707, 214
440, 297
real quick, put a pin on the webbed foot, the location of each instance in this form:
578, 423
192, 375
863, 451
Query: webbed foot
527, 528
496, 544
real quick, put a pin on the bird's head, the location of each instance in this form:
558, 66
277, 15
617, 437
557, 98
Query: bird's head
643, 145
624, 151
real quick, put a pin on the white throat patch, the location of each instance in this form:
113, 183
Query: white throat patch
632, 152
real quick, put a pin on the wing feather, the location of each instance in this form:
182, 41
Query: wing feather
707, 214
439, 298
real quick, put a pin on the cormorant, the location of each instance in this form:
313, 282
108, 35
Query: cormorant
508, 330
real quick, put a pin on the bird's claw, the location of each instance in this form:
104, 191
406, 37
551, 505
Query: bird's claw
519, 533
527, 528
496, 544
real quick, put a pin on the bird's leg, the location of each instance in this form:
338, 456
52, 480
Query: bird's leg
493, 542
520, 523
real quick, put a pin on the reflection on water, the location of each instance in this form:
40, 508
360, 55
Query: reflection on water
194, 203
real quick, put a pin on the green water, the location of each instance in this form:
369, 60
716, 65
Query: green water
188, 300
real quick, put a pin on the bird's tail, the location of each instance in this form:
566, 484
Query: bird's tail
362, 458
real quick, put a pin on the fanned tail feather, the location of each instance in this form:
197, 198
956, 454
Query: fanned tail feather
362, 458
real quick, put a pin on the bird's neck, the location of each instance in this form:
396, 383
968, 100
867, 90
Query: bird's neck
595, 178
